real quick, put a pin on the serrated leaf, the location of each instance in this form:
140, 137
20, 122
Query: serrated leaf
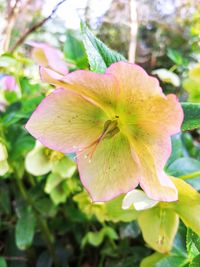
192, 244
195, 262
191, 116
99, 55
25, 229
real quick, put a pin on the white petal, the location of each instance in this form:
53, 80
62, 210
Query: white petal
36, 162
138, 199
3, 152
4, 167
167, 76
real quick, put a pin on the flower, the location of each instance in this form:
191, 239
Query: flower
167, 76
9, 83
119, 124
48, 56
164, 217
192, 84
42, 160
4, 167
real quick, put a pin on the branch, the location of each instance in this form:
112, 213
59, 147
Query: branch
35, 27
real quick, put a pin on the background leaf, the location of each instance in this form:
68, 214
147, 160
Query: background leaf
25, 228
191, 116
99, 55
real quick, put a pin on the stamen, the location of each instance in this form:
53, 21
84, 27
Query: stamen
109, 130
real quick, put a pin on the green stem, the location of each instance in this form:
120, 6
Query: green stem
190, 175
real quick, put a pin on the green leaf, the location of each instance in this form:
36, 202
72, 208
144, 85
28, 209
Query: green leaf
173, 260
25, 228
183, 166
115, 213
151, 260
99, 55
175, 56
192, 244
177, 149
74, 50
191, 116
3, 262
186, 166
195, 262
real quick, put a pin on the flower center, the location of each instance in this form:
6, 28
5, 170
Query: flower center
110, 129
53, 155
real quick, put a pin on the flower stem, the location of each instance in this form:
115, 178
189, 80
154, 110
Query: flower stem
190, 175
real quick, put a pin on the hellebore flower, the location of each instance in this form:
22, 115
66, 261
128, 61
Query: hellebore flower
192, 84
164, 217
9, 83
118, 123
47, 56
4, 167
42, 160
167, 76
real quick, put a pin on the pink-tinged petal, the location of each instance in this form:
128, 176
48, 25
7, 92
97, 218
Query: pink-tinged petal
9, 83
48, 56
110, 171
103, 89
156, 184
163, 114
143, 100
66, 122
134, 82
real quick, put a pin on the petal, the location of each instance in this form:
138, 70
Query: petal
36, 162
3, 152
161, 114
115, 213
188, 205
9, 82
66, 122
111, 171
4, 167
159, 226
48, 56
142, 99
100, 88
134, 82
138, 199
167, 76
155, 183
65, 167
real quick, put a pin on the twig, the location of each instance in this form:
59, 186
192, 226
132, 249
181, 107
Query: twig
14, 258
12, 13
35, 27
133, 31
